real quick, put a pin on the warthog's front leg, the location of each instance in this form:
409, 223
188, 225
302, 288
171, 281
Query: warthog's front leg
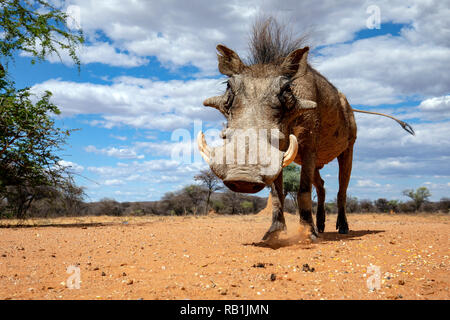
278, 222
304, 193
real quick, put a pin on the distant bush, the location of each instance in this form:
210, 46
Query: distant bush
444, 205
382, 205
366, 206
407, 207
193, 200
66, 199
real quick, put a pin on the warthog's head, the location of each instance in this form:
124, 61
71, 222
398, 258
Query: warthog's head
259, 106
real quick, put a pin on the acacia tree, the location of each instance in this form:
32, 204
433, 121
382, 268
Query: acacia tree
195, 194
418, 197
37, 28
232, 200
29, 139
29, 142
291, 182
211, 182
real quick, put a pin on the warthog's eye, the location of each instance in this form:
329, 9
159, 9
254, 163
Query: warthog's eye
230, 96
286, 96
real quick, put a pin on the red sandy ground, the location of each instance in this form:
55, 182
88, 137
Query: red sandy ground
221, 257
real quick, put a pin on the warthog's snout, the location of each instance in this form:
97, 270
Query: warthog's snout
244, 184
247, 167
245, 179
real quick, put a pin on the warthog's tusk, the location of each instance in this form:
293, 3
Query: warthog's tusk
307, 104
205, 151
291, 152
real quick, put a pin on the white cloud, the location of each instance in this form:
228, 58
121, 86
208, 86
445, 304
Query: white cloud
124, 193
137, 102
385, 69
121, 138
105, 53
72, 166
99, 52
429, 24
380, 137
437, 108
113, 182
185, 33
121, 153
367, 183
166, 148
178, 33
383, 148
164, 172
124, 170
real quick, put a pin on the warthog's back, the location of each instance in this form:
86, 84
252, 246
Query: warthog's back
332, 121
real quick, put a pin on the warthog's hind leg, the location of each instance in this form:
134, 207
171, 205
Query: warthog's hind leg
345, 170
320, 216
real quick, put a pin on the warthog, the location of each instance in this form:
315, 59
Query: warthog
278, 110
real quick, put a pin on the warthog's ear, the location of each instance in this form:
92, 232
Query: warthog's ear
229, 61
296, 62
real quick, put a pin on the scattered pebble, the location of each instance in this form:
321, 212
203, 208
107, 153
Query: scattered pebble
307, 268
259, 265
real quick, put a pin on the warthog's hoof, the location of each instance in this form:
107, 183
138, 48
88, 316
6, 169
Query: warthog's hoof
342, 225
274, 230
313, 237
343, 229
320, 228
312, 228
314, 233
271, 235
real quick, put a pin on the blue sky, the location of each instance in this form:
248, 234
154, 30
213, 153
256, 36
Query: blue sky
148, 65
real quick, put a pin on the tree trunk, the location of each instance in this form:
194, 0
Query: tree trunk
207, 202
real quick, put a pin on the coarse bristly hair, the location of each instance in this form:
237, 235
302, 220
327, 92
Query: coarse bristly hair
271, 41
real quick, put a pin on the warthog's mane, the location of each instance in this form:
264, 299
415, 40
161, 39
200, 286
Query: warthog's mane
270, 42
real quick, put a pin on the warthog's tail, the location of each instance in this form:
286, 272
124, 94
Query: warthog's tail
404, 125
